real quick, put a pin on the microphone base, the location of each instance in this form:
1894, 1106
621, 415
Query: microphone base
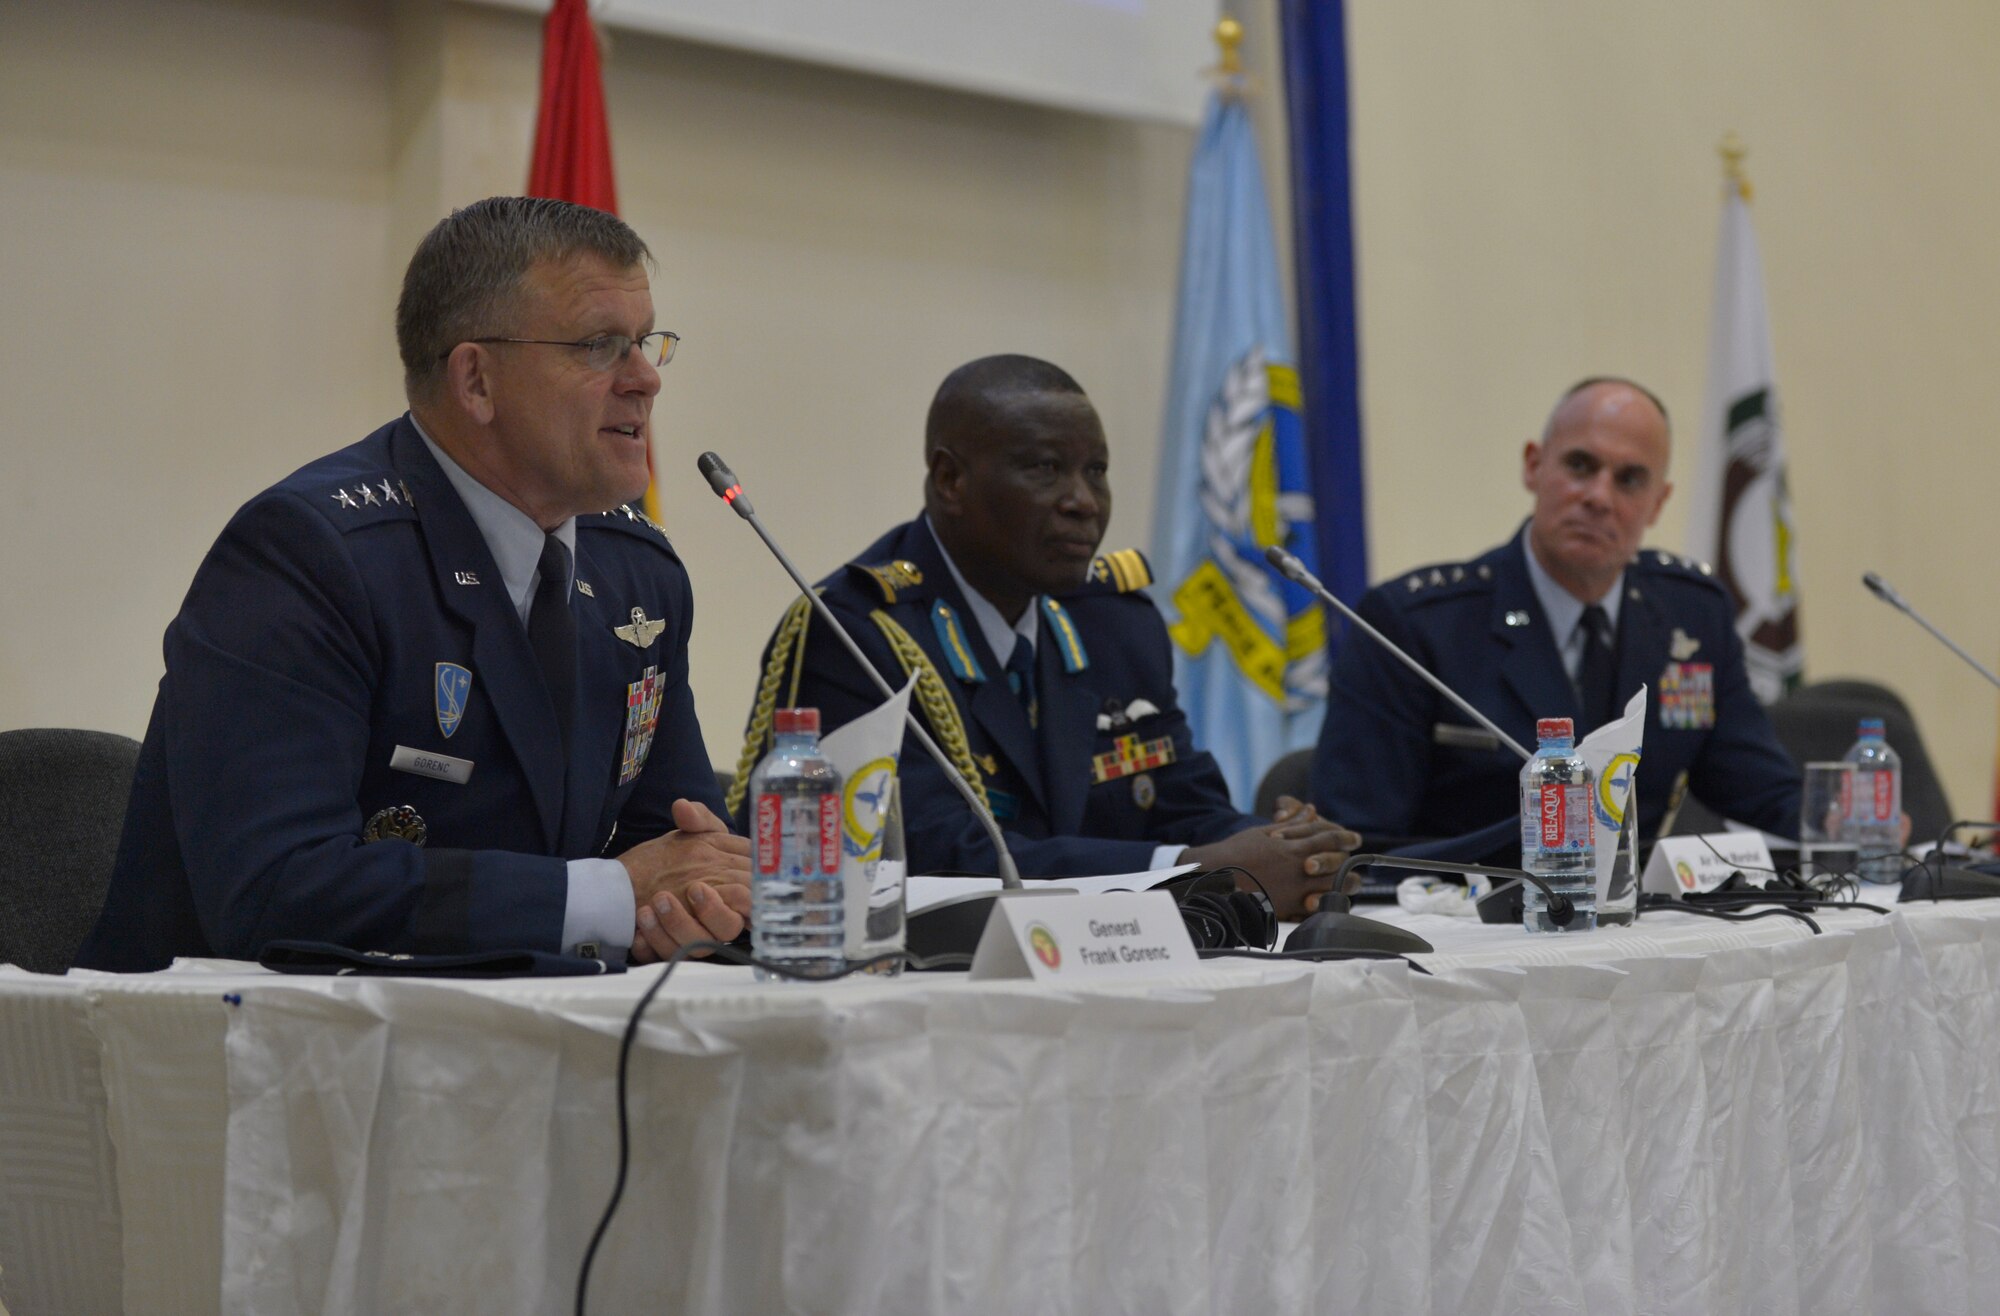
1929, 883
1336, 930
954, 926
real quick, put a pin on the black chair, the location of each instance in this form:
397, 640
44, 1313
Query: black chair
1290, 775
62, 803
1817, 723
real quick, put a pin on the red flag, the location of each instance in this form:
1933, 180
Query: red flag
572, 136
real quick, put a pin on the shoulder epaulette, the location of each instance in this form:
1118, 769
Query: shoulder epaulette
1658, 560
359, 502
632, 521
887, 579
1121, 572
1444, 580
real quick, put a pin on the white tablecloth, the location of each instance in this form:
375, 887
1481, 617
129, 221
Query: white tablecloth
1682, 1117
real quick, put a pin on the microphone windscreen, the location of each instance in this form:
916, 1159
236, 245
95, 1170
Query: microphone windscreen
720, 478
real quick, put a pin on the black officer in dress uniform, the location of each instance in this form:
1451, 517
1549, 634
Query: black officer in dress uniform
1567, 619
1044, 669
424, 694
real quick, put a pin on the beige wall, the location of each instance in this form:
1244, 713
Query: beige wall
204, 205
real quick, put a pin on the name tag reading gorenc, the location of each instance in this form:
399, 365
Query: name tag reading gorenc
1118, 934
430, 763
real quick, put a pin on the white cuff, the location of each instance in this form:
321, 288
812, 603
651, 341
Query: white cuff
1168, 856
600, 909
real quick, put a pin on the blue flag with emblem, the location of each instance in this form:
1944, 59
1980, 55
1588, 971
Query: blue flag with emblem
1250, 647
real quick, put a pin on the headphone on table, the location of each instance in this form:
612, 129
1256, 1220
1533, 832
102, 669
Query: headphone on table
1220, 917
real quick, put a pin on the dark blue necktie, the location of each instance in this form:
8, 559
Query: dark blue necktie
1597, 678
1021, 676
552, 633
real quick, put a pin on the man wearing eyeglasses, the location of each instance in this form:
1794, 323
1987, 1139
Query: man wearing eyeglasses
429, 693
1566, 619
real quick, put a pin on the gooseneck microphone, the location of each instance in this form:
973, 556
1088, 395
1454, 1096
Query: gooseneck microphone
1886, 592
1295, 571
727, 487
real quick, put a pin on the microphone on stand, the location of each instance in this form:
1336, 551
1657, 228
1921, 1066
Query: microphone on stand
947, 924
1886, 592
1295, 571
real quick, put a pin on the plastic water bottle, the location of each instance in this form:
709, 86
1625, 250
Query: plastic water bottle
1872, 814
1558, 829
798, 906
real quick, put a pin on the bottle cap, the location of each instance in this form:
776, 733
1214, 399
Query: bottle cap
792, 721
1555, 728
1871, 726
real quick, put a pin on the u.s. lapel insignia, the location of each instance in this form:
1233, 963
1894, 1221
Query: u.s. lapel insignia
642, 632
583, 588
1143, 790
466, 577
452, 684
1129, 755
1683, 645
642, 718
1517, 618
1687, 696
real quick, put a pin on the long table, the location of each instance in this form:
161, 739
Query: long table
1684, 1116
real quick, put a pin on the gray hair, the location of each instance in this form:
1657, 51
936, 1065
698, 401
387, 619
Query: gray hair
469, 268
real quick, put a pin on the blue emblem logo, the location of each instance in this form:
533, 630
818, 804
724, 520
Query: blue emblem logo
454, 683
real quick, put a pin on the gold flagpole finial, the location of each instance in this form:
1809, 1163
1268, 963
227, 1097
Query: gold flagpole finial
1229, 39
1227, 72
1733, 152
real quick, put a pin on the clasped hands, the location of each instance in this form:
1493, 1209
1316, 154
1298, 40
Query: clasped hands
691, 884
1293, 857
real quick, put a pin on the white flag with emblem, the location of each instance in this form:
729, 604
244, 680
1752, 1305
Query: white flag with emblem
1740, 509
866, 752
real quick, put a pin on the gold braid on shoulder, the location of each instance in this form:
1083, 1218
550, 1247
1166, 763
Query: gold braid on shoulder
934, 699
787, 649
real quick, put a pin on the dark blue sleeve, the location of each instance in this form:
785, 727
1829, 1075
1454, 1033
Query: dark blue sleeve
265, 713
1372, 766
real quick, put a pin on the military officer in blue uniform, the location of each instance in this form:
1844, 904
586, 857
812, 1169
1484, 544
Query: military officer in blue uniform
426, 694
1043, 669
1567, 619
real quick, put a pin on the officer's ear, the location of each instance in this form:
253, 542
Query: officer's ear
467, 384
944, 486
1531, 461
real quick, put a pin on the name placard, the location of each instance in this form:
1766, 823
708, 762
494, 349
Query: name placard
1684, 865
1121, 934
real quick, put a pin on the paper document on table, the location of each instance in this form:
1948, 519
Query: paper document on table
924, 892
1612, 751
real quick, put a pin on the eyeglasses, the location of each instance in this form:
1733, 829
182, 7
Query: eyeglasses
605, 351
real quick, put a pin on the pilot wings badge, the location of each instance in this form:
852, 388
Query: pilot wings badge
642, 632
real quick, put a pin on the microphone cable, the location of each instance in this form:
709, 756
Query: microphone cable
734, 955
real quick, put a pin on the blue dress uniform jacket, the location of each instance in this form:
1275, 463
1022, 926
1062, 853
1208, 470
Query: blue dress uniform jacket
1103, 780
1397, 760
314, 643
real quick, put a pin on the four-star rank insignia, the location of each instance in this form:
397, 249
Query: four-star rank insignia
643, 630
